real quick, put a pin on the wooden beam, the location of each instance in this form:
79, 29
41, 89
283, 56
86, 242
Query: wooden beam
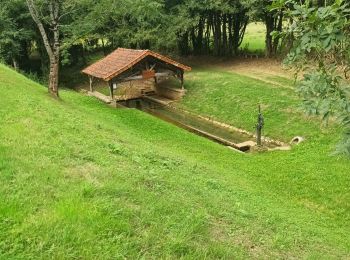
159, 74
164, 74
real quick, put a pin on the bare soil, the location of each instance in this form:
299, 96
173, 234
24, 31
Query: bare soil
252, 66
265, 69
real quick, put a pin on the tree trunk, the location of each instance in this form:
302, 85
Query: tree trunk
207, 37
103, 47
224, 35
278, 28
269, 22
273, 22
200, 36
230, 35
216, 43
236, 30
194, 41
53, 50
15, 64
55, 62
217, 34
243, 29
53, 77
240, 22
183, 43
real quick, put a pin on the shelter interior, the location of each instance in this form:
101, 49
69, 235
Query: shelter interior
132, 74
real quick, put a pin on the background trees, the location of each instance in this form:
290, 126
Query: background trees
211, 27
187, 27
16, 33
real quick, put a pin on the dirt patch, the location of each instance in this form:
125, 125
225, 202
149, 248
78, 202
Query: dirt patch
260, 66
87, 172
222, 232
268, 70
264, 69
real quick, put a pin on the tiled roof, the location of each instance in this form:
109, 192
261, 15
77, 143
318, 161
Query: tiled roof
121, 60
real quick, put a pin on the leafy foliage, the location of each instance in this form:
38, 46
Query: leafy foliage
14, 30
321, 41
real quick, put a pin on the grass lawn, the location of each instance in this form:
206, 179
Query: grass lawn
82, 180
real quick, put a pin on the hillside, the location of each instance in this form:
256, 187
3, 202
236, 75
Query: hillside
80, 179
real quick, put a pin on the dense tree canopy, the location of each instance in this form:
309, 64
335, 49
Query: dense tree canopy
16, 33
181, 26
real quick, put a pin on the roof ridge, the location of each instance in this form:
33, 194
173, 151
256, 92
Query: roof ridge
121, 60
134, 50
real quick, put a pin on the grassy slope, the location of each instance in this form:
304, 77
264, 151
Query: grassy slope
234, 99
79, 179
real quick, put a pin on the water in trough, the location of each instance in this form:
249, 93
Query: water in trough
192, 123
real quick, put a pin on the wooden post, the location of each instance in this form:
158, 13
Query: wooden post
91, 83
111, 90
258, 136
259, 127
155, 84
182, 79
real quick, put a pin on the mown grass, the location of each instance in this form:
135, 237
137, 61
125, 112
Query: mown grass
82, 180
287, 82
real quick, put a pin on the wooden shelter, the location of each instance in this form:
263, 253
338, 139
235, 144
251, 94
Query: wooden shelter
125, 65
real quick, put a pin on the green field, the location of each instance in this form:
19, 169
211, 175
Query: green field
254, 38
82, 180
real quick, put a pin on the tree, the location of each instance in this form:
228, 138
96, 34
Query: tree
128, 23
15, 33
209, 27
52, 44
274, 23
9, 44
321, 43
273, 19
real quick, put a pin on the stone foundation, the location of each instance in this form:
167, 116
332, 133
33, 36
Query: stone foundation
170, 93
